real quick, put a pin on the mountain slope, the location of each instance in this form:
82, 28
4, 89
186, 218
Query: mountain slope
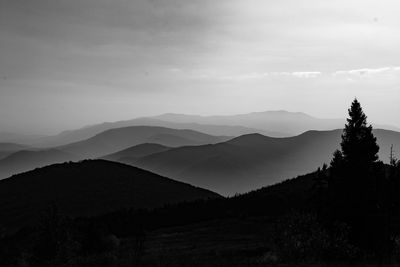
135, 152
25, 139
26, 160
88, 188
116, 139
12, 147
9, 148
252, 161
102, 144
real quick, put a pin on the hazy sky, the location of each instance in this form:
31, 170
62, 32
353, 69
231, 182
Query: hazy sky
68, 63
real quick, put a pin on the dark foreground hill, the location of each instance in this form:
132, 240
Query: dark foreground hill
236, 231
88, 188
245, 230
252, 161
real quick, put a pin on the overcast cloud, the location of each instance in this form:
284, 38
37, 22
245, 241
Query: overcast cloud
68, 63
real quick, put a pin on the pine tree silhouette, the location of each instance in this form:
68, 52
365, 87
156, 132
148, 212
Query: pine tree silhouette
357, 185
359, 147
337, 162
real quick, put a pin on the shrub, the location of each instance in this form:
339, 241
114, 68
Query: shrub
301, 237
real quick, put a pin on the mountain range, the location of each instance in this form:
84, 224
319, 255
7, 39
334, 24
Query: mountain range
252, 161
271, 123
107, 142
282, 123
221, 164
84, 133
121, 138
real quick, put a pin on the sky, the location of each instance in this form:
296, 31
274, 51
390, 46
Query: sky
69, 63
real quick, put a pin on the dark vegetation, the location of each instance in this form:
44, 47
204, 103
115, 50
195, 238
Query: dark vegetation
87, 188
347, 214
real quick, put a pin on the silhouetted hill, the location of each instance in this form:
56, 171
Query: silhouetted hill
283, 122
270, 202
88, 188
252, 161
136, 152
114, 140
26, 160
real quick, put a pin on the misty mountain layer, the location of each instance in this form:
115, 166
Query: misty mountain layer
105, 143
252, 161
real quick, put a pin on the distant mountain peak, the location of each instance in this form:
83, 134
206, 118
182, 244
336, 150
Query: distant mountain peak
281, 111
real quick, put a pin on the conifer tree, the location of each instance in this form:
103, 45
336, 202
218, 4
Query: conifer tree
392, 159
357, 187
359, 147
337, 162
354, 178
